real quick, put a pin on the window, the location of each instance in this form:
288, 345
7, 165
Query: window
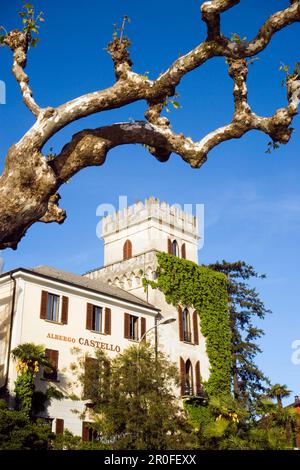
97, 319
199, 387
175, 250
188, 378
127, 250
53, 307
187, 335
59, 426
52, 357
88, 433
133, 327
183, 251
91, 376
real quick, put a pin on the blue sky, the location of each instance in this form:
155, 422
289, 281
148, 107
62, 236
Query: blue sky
252, 199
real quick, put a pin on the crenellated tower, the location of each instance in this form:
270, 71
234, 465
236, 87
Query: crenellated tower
132, 238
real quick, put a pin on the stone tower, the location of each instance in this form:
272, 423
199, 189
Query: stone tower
132, 237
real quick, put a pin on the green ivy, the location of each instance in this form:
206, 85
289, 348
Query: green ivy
185, 283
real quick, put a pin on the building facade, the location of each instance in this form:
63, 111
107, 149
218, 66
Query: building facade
107, 308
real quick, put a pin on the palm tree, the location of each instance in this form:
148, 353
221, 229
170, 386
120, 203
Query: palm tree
279, 392
30, 354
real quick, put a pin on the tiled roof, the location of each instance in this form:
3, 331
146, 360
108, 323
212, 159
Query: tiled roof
85, 282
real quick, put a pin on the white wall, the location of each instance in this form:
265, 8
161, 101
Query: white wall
28, 327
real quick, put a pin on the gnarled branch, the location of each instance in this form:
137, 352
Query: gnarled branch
30, 181
18, 42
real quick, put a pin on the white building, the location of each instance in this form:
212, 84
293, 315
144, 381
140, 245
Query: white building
106, 308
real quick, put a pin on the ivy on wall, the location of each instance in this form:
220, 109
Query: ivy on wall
187, 284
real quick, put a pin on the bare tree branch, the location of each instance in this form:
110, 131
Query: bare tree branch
30, 181
18, 42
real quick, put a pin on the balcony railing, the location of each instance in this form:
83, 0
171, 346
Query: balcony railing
188, 390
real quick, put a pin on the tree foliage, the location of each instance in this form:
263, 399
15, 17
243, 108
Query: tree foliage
18, 432
134, 406
224, 423
245, 308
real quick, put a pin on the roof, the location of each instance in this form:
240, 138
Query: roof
85, 283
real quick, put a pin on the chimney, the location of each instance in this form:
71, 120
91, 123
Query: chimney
297, 400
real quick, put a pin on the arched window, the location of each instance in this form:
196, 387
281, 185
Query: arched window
127, 250
183, 251
186, 321
175, 249
188, 378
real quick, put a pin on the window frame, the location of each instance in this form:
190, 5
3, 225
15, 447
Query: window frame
101, 325
133, 327
59, 303
186, 326
175, 248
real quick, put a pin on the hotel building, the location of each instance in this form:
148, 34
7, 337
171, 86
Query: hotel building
107, 308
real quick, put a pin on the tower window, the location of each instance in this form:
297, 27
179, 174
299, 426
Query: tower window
187, 335
188, 378
127, 250
175, 249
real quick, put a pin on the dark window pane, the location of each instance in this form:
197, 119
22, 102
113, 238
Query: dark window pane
133, 327
53, 307
97, 318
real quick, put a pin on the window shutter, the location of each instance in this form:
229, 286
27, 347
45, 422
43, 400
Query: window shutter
126, 325
198, 378
52, 357
143, 327
195, 327
44, 304
64, 310
182, 376
89, 316
183, 251
85, 432
125, 251
90, 372
180, 323
107, 325
54, 362
59, 426
129, 249
170, 251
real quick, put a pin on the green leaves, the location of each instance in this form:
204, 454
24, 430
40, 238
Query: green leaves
172, 102
31, 22
237, 38
272, 145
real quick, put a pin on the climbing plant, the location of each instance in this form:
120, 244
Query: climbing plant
185, 283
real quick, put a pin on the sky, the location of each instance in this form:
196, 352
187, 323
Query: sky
251, 198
